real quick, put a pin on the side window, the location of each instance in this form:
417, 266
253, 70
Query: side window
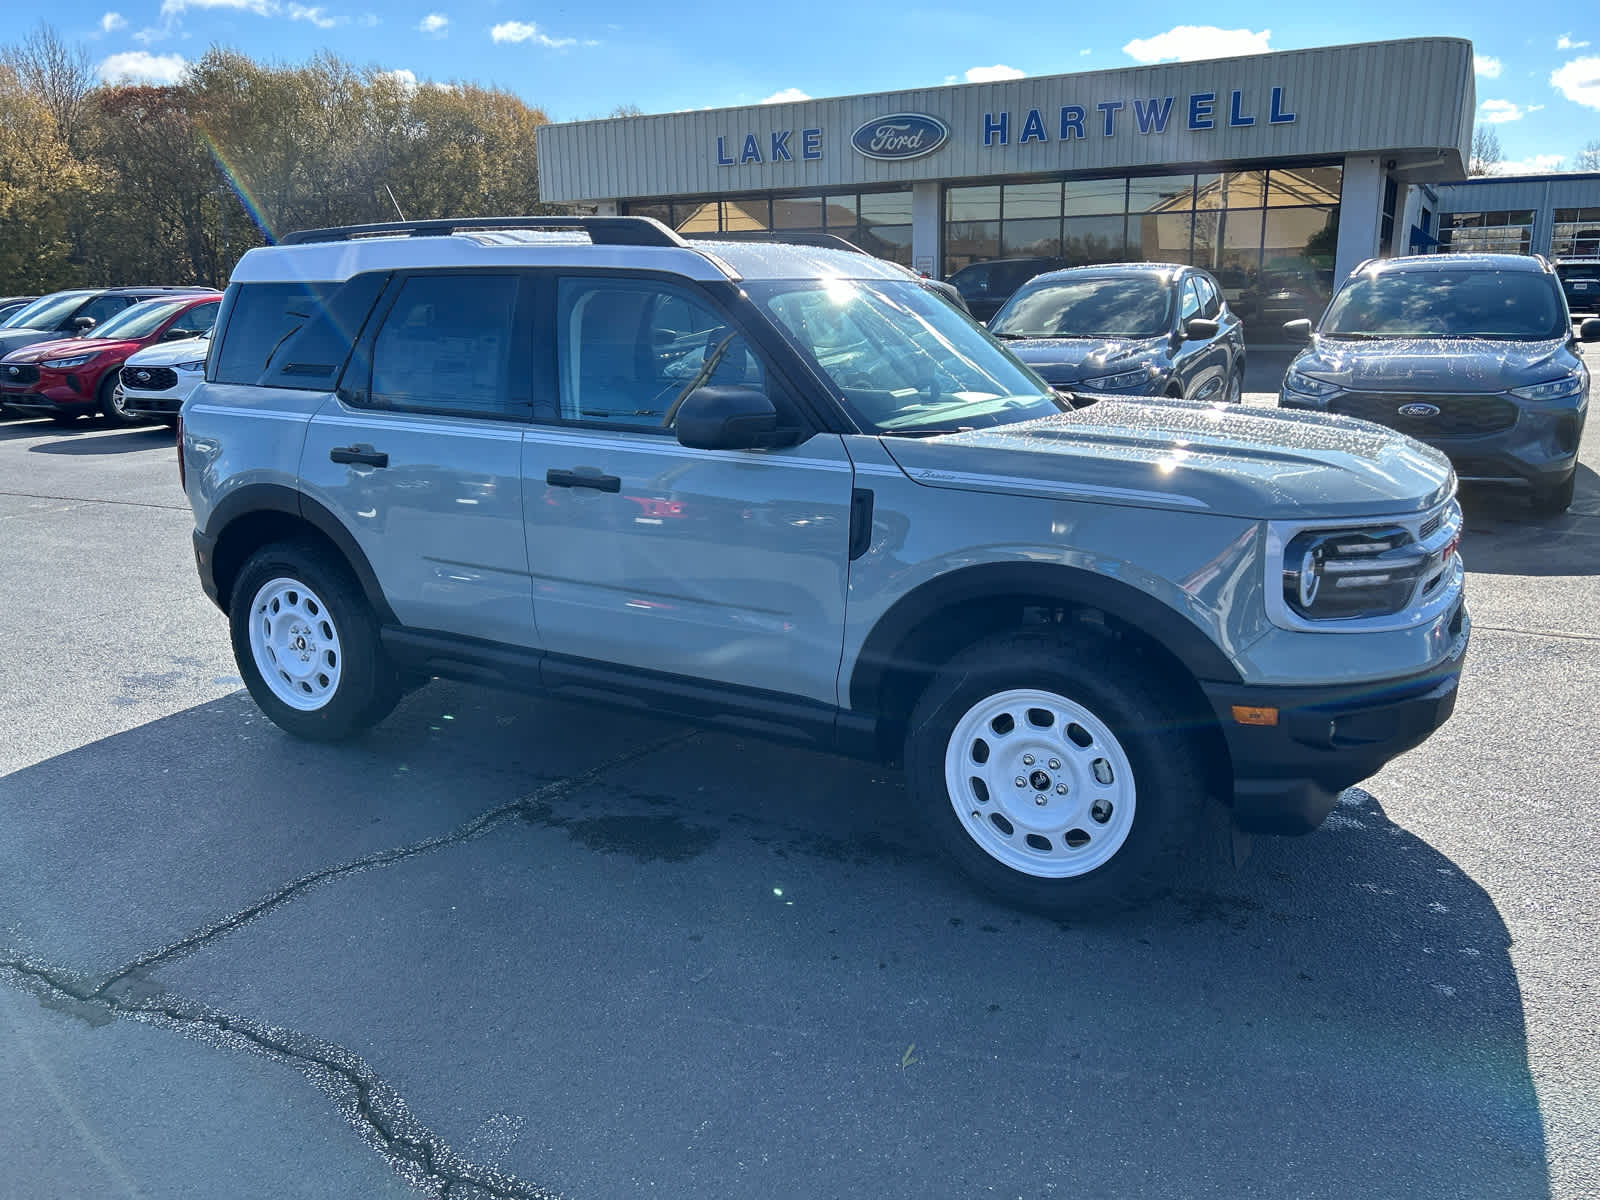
198, 319
101, 309
629, 347
293, 335
445, 347
1210, 302
1190, 302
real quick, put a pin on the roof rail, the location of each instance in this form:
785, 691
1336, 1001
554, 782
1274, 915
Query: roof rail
602, 231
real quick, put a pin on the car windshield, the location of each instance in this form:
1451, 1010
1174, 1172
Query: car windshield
1122, 306
139, 321
902, 359
46, 312
1478, 302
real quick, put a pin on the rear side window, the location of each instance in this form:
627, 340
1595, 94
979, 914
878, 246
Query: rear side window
198, 319
293, 335
445, 347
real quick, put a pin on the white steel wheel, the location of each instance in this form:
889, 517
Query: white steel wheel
295, 644
1040, 783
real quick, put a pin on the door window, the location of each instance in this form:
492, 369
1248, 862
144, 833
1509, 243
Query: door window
628, 348
198, 319
445, 347
1191, 302
1210, 302
100, 309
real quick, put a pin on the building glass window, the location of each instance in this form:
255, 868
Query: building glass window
744, 213
1498, 231
1576, 233
798, 212
879, 222
1095, 197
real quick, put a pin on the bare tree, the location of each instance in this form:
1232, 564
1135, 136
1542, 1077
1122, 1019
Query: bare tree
1486, 152
59, 75
1588, 158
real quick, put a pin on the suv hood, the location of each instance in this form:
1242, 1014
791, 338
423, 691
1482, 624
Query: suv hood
67, 347
169, 354
1068, 360
1436, 364
1251, 463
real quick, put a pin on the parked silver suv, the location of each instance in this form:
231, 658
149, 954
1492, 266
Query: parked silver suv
788, 491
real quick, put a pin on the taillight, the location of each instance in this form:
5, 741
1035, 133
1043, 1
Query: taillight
183, 476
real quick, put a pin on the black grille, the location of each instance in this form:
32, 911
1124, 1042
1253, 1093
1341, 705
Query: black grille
149, 379
1452, 416
1430, 527
155, 404
19, 373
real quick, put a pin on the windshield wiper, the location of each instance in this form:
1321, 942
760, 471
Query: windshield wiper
924, 432
1011, 337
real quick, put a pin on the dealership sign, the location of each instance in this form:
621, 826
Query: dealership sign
900, 135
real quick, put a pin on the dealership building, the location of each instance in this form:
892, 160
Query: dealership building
1283, 168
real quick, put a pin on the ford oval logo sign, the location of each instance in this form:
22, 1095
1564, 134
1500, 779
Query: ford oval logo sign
900, 135
1419, 410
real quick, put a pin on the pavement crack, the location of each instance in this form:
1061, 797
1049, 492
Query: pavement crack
94, 500
526, 806
1541, 633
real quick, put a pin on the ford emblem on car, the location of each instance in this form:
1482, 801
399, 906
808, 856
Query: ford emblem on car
13, 372
900, 135
1419, 410
142, 376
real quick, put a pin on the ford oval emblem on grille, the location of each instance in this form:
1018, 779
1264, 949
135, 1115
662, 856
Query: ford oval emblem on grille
1419, 410
13, 372
142, 376
900, 135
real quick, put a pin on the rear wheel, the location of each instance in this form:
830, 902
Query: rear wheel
1053, 772
1553, 501
307, 644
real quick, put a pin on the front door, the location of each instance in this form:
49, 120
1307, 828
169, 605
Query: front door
421, 457
726, 566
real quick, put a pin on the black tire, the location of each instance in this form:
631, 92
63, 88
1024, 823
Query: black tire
368, 686
64, 420
1553, 501
1084, 667
1235, 391
106, 401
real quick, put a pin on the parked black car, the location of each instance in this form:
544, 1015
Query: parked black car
1580, 280
985, 286
1136, 329
1472, 353
73, 313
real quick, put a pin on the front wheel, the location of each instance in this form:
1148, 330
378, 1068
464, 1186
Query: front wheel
1235, 393
112, 401
307, 644
1053, 772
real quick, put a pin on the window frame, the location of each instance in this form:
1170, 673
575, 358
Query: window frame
354, 385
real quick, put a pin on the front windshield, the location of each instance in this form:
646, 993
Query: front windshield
904, 360
47, 312
139, 321
1447, 302
1122, 306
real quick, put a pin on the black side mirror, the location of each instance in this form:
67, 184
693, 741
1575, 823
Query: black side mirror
728, 418
1589, 331
1297, 331
1200, 329
84, 324
178, 335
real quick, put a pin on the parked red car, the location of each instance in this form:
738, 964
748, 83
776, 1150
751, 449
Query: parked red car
76, 377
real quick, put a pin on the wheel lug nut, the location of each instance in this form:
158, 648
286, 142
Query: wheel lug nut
1021, 782
1027, 760
1055, 764
1061, 789
1040, 800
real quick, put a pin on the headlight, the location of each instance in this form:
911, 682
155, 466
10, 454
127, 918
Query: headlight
1351, 573
1296, 381
197, 365
62, 363
1556, 389
1122, 379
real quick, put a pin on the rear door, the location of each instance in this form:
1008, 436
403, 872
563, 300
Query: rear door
729, 566
419, 455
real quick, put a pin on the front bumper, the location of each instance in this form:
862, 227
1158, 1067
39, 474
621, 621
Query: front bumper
1288, 776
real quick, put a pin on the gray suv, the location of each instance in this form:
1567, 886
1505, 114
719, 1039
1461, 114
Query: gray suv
787, 491
1472, 353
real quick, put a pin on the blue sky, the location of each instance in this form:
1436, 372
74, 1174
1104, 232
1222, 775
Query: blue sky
1538, 77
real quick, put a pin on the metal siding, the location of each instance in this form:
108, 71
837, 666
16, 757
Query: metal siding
1383, 97
1578, 191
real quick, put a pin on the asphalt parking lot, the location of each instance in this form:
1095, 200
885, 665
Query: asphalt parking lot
505, 947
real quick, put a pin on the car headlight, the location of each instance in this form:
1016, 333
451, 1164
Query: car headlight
1122, 379
1556, 389
1298, 381
76, 360
198, 365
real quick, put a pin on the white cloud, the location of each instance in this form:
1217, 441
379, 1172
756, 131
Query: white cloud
261, 8
112, 22
1537, 164
316, 16
405, 80
1486, 65
1579, 81
992, 74
140, 66
1565, 42
152, 33
1084, 53
791, 95
1498, 112
434, 25
1185, 43
527, 31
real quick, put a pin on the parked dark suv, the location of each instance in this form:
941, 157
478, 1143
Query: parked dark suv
1580, 280
985, 286
1472, 353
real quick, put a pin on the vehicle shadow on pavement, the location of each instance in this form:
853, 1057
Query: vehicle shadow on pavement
1503, 536
687, 964
142, 438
